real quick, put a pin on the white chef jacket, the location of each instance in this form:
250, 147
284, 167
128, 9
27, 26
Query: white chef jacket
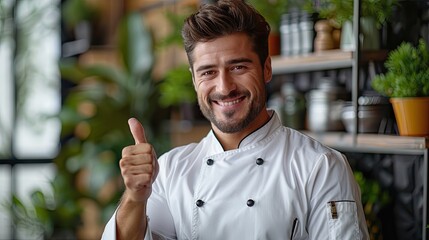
278, 184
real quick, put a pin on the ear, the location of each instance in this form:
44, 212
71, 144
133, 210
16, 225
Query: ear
268, 71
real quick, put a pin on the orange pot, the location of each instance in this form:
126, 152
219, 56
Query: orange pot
274, 44
412, 115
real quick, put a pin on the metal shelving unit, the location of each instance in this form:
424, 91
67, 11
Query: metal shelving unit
357, 142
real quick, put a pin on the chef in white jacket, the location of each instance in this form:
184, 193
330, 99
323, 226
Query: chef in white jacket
250, 177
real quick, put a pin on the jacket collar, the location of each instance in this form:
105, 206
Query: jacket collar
256, 136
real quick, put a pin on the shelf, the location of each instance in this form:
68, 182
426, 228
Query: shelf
324, 60
372, 143
320, 61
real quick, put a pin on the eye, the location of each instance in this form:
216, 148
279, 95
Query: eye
207, 73
238, 68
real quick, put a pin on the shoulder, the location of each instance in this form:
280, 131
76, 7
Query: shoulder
306, 153
300, 142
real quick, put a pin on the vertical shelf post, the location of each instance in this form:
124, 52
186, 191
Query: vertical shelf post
425, 193
355, 68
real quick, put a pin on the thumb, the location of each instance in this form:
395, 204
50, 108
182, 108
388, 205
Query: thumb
137, 131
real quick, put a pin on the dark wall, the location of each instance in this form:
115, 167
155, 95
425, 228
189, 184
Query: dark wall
410, 22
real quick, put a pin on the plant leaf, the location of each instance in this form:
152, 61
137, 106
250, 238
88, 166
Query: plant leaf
135, 44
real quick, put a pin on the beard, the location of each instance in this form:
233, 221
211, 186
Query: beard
231, 124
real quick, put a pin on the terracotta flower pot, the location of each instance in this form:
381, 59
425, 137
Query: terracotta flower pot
274, 44
412, 115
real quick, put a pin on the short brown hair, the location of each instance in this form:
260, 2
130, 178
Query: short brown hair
223, 18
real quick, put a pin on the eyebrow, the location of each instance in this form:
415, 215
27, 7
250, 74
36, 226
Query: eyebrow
204, 67
229, 62
239, 60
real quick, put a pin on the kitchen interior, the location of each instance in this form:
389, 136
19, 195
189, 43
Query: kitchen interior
322, 85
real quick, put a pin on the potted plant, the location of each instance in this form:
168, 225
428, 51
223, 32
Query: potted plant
372, 17
272, 11
406, 82
341, 11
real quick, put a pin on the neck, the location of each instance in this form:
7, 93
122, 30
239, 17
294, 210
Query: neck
230, 141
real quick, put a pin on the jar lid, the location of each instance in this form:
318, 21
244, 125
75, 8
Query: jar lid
372, 100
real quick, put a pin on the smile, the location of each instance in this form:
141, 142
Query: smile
229, 103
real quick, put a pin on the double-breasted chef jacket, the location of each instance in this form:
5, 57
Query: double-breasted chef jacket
278, 184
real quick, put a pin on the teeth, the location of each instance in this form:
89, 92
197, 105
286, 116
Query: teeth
229, 103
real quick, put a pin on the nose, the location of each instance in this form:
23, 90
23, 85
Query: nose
225, 84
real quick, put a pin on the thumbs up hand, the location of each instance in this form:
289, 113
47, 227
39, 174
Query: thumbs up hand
139, 165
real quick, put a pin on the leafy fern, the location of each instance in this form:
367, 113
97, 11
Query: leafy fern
407, 72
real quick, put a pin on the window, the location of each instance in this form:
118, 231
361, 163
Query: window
29, 101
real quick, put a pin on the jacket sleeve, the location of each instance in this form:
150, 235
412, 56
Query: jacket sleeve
160, 221
336, 210
109, 232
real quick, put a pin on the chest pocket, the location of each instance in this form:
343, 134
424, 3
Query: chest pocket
342, 220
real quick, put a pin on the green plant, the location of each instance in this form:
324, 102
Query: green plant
176, 86
342, 10
272, 10
175, 19
407, 72
77, 11
373, 199
47, 214
94, 128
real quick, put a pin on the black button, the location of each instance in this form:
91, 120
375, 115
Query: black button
210, 162
250, 202
200, 203
259, 161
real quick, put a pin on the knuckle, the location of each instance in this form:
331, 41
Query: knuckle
147, 147
124, 171
123, 162
126, 151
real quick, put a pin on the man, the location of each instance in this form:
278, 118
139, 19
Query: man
250, 177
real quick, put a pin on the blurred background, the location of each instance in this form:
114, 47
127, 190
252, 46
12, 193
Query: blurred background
73, 71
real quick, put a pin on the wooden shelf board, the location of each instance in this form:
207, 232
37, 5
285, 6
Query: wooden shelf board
324, 60
373, 143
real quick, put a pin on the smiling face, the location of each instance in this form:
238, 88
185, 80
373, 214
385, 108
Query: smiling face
230, 83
